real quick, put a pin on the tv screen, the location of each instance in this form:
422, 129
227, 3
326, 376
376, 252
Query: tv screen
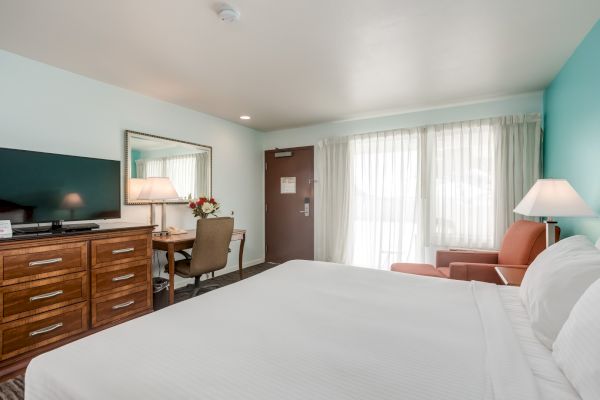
41, 187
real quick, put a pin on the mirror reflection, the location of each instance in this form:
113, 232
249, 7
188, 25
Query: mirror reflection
187, 165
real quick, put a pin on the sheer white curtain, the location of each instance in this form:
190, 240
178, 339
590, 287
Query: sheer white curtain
385, 208
203, 175
368, 198
518, 165
332, 199
462, 184
397, 195
182, 170
480, 170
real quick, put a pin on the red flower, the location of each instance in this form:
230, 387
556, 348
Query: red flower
212, 200
192, 205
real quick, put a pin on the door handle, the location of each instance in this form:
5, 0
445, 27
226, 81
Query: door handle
306, 210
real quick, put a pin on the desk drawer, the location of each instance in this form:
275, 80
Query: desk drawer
106, 251
106, 280
22, 265
121, 305
31, 333
25, 299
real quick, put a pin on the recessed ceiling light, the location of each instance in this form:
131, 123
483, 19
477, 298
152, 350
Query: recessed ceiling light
246, 117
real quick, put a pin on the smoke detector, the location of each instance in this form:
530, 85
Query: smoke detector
228, 14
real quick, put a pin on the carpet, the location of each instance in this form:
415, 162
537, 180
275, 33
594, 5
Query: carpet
14, 389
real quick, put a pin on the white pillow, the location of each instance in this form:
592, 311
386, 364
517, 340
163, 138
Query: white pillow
577, 347
555, 281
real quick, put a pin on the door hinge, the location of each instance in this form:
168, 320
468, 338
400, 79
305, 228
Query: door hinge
265, 207
265, 166
265, 249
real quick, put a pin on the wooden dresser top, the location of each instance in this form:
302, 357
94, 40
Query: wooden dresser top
103, 229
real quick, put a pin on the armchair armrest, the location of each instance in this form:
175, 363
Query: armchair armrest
443, 258
484, 272
185, 254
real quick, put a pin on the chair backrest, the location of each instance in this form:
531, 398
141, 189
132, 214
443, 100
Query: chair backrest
211, 247
522, 243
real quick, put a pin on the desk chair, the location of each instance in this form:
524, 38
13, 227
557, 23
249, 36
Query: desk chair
209, 253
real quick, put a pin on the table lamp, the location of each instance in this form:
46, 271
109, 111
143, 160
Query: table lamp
158, 190
553, 198
72, 201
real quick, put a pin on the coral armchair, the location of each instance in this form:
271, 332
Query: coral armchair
523, 241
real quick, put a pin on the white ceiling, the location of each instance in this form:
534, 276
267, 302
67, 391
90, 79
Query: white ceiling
297, 62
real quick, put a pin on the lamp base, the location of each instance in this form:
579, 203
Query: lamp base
550, 232
163, 220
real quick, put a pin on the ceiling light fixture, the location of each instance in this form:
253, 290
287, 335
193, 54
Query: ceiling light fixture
245, 117
228, 14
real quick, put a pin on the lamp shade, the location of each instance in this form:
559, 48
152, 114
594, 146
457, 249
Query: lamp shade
553, 198
158, 189
72, 200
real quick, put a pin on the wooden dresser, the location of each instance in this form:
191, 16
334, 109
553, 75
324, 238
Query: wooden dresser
58, 288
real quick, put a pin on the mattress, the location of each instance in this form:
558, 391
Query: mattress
303, 330
551, 381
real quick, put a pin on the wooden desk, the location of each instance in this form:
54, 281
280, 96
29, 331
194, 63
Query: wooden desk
173, 243
511, 276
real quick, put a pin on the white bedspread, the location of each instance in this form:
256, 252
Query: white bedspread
303, 330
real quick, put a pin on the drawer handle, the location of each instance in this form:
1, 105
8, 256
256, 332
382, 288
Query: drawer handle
46, 329
125, 250
45, 262
46, 295
123, 305
122, 277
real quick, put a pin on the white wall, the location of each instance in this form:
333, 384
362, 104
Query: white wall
310, 135
48, 109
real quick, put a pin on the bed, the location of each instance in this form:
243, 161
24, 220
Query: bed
313, 330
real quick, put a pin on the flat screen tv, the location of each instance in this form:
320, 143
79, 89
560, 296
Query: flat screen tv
41, 187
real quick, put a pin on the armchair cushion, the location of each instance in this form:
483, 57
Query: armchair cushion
416, 269
445, 257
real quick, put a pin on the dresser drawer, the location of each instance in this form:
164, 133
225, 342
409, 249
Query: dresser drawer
31, 333
119, 277
25, 299
22, 265
128, 248
120, 305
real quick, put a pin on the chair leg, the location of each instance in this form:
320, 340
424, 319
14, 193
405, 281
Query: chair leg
197, 282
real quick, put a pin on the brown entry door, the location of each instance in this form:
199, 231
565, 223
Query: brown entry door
289, 221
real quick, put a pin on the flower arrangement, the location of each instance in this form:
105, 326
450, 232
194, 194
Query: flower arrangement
204, 206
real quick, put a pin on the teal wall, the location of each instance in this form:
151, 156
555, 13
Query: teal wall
572, 130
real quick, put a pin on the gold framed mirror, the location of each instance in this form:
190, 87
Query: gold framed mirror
187, 165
